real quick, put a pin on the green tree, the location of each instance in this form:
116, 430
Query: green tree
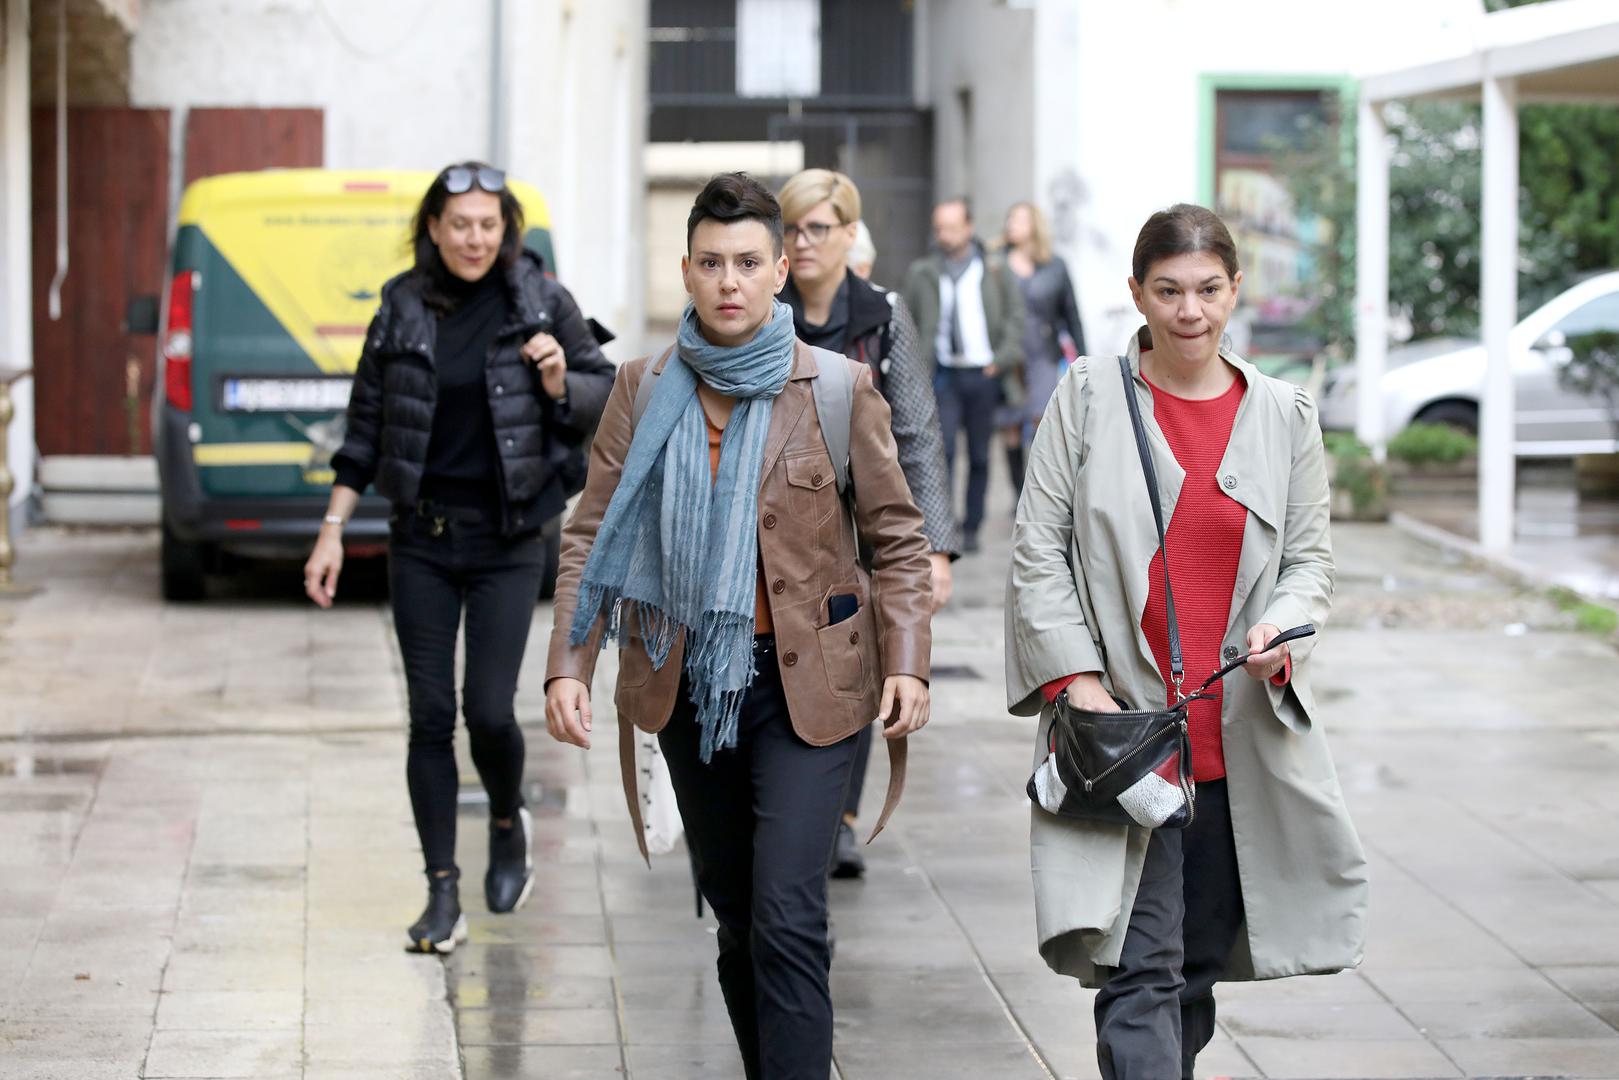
1569, 211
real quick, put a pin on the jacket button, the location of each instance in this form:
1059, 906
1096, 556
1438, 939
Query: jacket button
778, 587
816, 480
1229, 481
789, 658
854, 638
770, 521
499, 390
1230, 652
508, 444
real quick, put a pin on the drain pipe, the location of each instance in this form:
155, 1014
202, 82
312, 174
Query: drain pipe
54, 302
497, 85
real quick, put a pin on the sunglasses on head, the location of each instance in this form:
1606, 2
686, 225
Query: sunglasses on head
458, 179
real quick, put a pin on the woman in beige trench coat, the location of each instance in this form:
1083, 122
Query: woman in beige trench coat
1270, 880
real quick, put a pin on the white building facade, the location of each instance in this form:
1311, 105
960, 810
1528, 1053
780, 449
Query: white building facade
1130, 107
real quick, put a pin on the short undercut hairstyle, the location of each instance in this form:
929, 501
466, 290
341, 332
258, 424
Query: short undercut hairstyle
736, 196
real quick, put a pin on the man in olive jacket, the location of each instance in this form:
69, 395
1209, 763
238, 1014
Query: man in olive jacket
969, 315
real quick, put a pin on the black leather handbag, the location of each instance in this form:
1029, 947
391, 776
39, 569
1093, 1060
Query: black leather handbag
1132, 767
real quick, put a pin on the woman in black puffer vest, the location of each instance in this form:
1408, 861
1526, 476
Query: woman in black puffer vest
479, 383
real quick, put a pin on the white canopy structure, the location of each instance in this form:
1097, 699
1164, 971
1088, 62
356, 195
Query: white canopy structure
1557, 51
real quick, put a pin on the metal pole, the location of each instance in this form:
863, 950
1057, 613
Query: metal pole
8, 554
1371, 275
1498, 300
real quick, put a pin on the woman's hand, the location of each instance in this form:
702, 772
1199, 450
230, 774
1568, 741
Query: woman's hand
1086, 692
943, 581
324, 565
567, 711
905, 706
545, 353
1264, 665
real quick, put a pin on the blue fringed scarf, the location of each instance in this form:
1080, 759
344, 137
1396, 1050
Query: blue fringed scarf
679, 551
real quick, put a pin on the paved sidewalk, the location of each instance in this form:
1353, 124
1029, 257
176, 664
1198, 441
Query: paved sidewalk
208, 860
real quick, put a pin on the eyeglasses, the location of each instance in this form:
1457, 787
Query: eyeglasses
815, 232
458, 179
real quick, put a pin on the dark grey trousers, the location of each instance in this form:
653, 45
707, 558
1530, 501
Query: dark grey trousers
1155, 1012
761, 820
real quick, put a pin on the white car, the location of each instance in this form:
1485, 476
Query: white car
1441, 380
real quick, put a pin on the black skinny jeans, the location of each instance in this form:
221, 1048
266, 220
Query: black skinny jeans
761, 819
1155, 1012
468, 567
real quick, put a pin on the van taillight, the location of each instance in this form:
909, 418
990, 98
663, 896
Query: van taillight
177, 340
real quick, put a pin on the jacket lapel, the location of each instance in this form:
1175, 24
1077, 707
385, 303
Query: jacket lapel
1247, 473
789, 406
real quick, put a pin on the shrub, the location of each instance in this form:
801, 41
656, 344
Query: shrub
1432, 444
1344, 446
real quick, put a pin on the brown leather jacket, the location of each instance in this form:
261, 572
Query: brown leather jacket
832, 675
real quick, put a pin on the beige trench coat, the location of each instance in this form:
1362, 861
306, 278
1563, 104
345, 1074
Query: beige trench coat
1076, 592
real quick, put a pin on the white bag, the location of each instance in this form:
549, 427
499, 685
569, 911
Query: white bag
660, 817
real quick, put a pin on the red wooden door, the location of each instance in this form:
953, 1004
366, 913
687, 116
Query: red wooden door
237, 140
92, 380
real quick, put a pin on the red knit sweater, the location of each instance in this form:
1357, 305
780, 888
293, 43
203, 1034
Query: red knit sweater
1204, 540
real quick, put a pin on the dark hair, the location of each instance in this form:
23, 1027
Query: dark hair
437, 288
1183, 229
966, 205
736, 196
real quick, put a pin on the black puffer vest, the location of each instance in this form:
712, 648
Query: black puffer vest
540, 444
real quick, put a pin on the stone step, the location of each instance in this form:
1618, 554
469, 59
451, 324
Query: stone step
95, 489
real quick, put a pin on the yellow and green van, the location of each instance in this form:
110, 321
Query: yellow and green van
275, 277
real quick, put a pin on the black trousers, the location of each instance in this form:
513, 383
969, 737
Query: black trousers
1155, 1012
967, 401
761, 819
467, 567
857, 776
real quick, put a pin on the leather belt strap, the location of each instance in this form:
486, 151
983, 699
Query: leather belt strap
632, 789
896, 781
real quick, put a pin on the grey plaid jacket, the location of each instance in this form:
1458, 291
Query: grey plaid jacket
882, 335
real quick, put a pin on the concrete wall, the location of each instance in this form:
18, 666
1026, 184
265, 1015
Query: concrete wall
575, 124
1133, 70
405, 84
411, 84
16, 243
973, 61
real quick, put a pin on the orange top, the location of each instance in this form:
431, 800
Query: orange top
761, 608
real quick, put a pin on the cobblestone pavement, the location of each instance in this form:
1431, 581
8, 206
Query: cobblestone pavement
208, 863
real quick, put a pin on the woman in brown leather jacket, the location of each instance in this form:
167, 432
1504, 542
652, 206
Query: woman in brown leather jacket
712, 542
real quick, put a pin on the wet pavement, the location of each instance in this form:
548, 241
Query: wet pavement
208, 862
1563, 536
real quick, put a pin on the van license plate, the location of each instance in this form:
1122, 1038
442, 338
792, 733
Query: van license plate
313, 394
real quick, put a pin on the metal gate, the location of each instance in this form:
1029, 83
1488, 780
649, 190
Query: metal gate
889, 156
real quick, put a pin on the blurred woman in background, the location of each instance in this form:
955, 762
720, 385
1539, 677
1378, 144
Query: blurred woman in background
1053, 333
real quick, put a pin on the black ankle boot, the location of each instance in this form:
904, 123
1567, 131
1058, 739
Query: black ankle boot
847, 862
442, 926
511, 863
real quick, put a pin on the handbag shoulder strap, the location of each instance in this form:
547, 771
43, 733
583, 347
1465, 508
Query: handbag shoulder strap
1177, 667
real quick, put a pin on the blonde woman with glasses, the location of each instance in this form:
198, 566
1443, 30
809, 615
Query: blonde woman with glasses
838, 310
